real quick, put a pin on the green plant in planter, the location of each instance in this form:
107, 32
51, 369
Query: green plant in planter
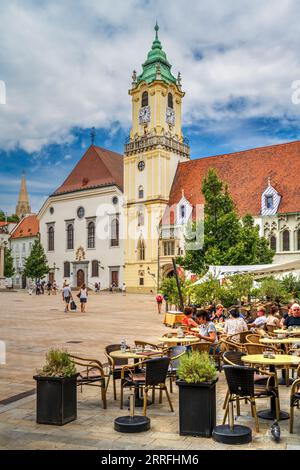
58, 364
197, 367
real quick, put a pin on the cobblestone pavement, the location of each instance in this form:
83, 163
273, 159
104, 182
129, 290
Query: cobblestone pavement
31, 325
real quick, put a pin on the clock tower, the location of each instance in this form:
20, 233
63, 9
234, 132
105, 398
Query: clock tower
152, 153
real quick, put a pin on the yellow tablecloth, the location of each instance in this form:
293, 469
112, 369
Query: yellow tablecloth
172, 318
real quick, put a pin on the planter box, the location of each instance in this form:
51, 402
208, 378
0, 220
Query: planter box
56, 401
197, 408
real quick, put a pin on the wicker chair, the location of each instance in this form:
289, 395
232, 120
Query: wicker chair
115, 365
201, 347
252, 348
252, 338
174, 353
152, 377
239, 338
240, 382
294, 399
93, 375
270, 329
228, 345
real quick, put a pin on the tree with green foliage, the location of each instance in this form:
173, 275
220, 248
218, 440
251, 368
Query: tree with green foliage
11, 218
36, 265
273, 289
227, 239
291, 284
9, 269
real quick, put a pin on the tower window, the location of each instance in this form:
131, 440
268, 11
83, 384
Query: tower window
51, 239
273, 243
141, 250
141, 220
170, 100
269, 202
141, 192
70, 237
91, 235
145, 99
286, 240
114, 236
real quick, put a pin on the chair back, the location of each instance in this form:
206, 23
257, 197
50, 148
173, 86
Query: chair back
156, 370
234, 358
138, 342
243, 336
255, 348
271, 328
174, 352
240, 380
116, 347
252, 338
201, 347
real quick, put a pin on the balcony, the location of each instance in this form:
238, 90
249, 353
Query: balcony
142, 144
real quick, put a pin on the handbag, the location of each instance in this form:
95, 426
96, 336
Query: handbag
78, 295
73, 306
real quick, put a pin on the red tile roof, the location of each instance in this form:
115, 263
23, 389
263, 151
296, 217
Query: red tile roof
27, 227
98, 167
246, 174
3, 223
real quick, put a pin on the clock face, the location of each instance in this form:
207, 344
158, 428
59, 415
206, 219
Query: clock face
170, 116
141, 165
144, 115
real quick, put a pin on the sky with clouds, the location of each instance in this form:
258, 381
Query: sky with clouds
67, 67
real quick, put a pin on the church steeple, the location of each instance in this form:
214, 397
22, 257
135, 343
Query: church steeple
23, 206
156, 58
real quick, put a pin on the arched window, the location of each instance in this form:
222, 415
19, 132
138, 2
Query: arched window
70, 237
170, 100
298, 240
286, 240
51, 239
114, 237
145, 99
95, 268
91, 235
141, 250
141, 219
273, 243
141, 192
66, 269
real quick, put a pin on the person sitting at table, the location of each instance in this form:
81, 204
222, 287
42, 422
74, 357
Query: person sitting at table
207, 330
235, 324
272, 317
187, 319
294, 318
219, 316
289, 313
260, 319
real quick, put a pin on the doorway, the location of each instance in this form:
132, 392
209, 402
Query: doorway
80, 277
51, 278
115, 278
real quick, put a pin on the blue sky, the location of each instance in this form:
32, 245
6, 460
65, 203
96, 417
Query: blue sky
68, 68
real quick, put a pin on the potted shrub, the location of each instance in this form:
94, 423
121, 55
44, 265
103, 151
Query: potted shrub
197, 377
56, 401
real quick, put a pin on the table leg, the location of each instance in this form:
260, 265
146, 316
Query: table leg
271, 412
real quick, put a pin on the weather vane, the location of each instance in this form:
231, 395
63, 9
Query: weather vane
93, 135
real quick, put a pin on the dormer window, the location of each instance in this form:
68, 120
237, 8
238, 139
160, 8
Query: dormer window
145, 99
269, 202
182, 211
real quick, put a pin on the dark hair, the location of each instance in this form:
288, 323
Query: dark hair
273, 310
234, 313
203, 314
188, 311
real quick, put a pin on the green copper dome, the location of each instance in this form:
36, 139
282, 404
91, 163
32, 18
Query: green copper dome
156, 66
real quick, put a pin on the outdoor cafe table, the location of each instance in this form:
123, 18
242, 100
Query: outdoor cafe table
135, 355
287, 332
178, 340
219, 327
279, 360
280, 340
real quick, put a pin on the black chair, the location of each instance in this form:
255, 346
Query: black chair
115, 365
174, 353
294, 399
153, 377
240, 381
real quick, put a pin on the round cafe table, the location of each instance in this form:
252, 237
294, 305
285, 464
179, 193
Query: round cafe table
295, 332
177, 340
280, 340
279, 360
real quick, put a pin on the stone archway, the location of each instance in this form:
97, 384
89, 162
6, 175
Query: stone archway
167, 271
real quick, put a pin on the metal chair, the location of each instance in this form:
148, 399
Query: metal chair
294, 399
93, 375
153, 377
115, 365
240, 382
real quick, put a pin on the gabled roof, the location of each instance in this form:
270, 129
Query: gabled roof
27, 227
246, 173
98, 167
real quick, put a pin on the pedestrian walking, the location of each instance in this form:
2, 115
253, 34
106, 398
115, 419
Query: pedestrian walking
83, 295
54, 287
123, 288
49, 287
66, 295
159, 299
